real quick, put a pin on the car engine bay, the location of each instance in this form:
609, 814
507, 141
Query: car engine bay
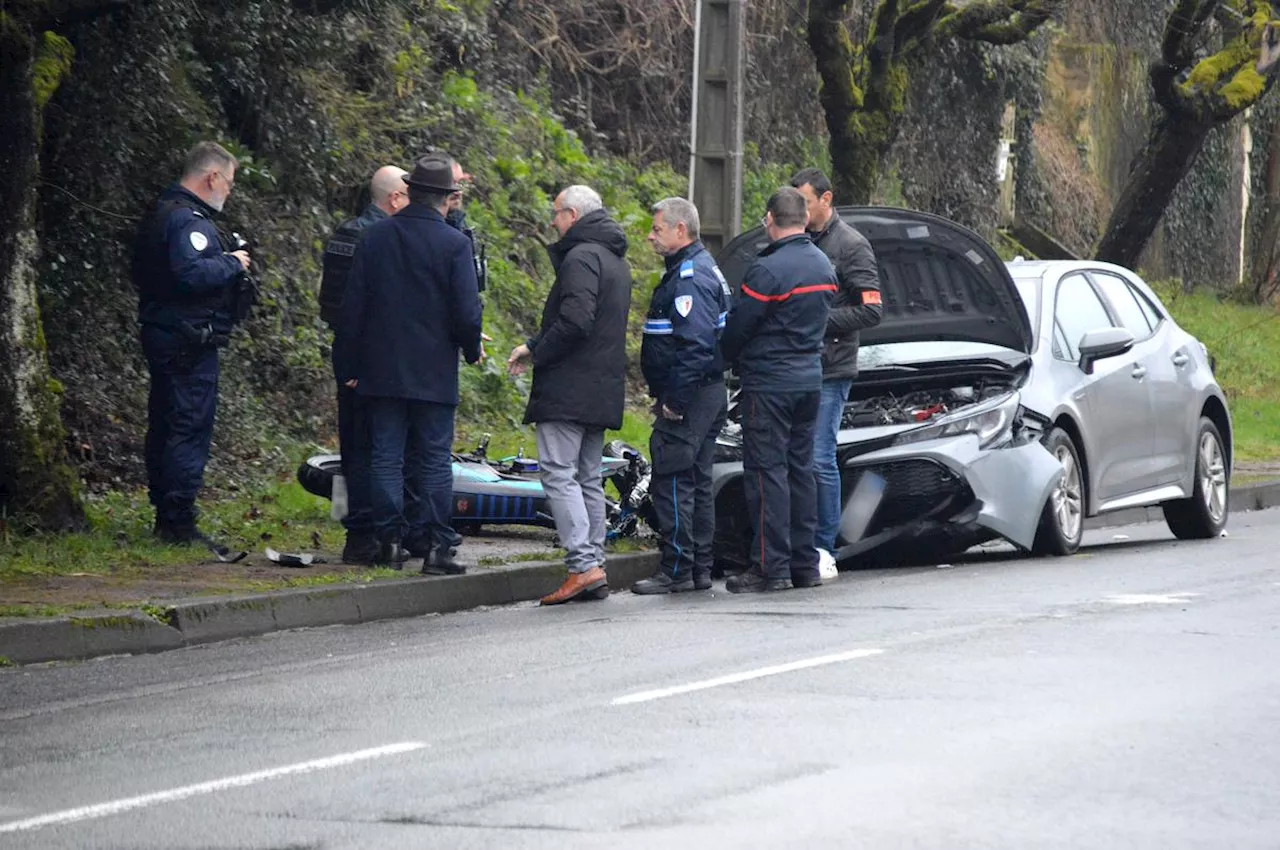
918, 406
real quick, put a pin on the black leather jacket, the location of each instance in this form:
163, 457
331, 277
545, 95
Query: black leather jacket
857, 303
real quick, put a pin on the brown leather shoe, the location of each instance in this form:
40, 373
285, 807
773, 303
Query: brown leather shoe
577, 584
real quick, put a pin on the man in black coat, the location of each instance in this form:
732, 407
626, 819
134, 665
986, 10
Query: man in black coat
579, 359
855, 307
773, 337
410, 306
388, 194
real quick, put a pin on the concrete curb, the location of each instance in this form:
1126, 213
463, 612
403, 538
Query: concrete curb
195, 621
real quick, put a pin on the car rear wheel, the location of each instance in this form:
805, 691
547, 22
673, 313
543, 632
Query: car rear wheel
1203, 515
1062, 520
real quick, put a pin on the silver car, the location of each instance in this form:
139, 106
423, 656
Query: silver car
1005, 400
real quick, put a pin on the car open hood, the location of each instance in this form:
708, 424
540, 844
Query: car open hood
939, 279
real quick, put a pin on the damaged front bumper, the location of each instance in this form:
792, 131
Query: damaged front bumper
913, 488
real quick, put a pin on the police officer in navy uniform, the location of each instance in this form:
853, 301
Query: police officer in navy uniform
388, 195
774, 338
410, 307
681, 360
190, 282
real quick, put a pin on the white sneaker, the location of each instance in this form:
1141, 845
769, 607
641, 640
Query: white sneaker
827, 565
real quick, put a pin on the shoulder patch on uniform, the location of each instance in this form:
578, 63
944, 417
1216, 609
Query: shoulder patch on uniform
684, 305
686, 268
198, 240
341, 247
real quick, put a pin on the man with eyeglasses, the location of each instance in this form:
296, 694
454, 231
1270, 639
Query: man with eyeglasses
388, 194
185, 272
579, 359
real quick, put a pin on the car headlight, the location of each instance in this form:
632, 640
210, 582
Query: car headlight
991, 422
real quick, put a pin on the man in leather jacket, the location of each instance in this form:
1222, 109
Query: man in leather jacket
855, 307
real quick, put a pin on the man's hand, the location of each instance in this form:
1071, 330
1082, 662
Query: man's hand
518, 362
353, 383
243, 257
670, 415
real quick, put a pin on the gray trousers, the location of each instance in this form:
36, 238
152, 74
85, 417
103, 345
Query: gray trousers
569, 458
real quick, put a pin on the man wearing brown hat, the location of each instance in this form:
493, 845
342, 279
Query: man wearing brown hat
411, 304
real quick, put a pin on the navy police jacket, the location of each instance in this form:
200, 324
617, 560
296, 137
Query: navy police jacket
409, 307
773, 336
181, 267
681, 350
338, 255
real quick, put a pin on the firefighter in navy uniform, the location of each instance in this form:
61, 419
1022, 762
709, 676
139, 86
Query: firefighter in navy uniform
388, 194
193, 287
681, 360
774, 340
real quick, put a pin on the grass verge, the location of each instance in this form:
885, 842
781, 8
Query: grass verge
1245, 343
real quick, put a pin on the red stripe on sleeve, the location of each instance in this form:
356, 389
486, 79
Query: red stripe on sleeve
799, 290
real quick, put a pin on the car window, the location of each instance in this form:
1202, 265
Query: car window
1077, 311
1150, 310
1124, 301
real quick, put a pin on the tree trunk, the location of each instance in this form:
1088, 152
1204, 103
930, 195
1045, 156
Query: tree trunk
37, 485
1265, 268
1154, 176
863, 93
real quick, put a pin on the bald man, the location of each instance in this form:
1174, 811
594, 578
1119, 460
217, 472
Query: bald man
388, 195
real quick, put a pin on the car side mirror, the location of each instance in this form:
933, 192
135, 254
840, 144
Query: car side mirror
1101, 344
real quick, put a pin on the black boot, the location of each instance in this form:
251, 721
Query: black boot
753, 582
361, 548
661, 582
391, 554
702, 580
441, 563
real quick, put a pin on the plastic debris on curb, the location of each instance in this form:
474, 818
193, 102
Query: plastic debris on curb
291, 559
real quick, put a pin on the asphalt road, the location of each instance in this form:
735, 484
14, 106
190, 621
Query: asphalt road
1128, 697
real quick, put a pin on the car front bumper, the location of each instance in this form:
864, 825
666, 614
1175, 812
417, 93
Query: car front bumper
952, 480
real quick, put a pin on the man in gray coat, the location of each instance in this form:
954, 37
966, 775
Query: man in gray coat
579, 359
856, 306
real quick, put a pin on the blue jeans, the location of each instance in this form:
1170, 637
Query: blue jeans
424, 431
830, 408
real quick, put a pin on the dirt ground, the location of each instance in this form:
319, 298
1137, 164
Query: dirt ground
206, 577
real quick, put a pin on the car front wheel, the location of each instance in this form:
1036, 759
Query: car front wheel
1203, 515
1062, 520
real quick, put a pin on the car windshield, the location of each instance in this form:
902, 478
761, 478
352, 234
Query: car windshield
908, 353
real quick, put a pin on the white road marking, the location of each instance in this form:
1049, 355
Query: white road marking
1150, 598
117, 806
734, 678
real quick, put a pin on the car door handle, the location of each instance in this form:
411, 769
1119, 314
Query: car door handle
1139, 372
1180, 359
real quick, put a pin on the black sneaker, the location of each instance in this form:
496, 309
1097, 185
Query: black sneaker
702, 581
806, 580
360, 549
753, 582
660, 582
441, 563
